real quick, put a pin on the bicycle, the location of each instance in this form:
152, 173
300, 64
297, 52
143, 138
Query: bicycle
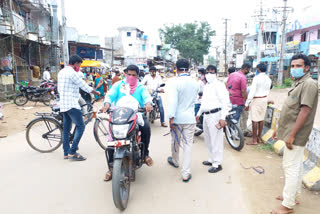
48, 129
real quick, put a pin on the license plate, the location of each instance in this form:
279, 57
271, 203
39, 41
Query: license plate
118, 143
232, 112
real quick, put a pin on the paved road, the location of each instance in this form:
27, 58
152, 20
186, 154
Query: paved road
32, 182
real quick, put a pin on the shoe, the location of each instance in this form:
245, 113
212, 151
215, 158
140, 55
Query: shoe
207, 163
187, 179
171, 162
164, 125
215, 169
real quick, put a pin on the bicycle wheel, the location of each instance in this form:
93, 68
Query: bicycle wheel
101, 132
234, 136
44, 135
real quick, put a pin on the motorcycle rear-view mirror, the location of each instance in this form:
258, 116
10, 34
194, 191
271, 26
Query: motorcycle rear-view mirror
163, 84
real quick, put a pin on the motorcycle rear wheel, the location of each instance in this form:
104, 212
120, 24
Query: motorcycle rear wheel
20, 100
46, 99
121, 183
234, 136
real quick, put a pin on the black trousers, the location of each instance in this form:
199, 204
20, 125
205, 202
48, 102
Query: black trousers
145, 138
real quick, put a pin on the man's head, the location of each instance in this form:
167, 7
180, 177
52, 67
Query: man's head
75, 62
231, 70
153, 71
47, 68
201, 71
300, 65
261, 68
133, 71
117, 73
211, 69
182, 66
245, 68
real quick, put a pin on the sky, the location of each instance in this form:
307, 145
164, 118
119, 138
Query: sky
103, 17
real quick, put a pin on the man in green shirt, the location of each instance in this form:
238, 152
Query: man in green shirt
295, 125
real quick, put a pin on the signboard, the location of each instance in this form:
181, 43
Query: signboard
84, 52
99, 54
6, 63
73, 50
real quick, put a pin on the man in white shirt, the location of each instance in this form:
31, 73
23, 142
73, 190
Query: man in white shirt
153, 82
202, 82
69, 83
182, 97
46, 74
215, 106
258, 101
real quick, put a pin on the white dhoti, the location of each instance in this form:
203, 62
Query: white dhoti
213, 138
258, 108
185, 142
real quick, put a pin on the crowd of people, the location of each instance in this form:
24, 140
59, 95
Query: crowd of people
189, 98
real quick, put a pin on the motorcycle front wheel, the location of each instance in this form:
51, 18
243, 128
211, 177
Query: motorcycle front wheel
121, 183
46, 98
20, 100
234, 136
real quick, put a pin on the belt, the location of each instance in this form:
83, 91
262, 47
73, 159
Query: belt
213, 111
259, 97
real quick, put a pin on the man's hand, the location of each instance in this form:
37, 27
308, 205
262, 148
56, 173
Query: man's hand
105, 108
96, 92
274, 135
161, 90
197, 118
289, 142
149, 107
171, 123
246, 108
222, 124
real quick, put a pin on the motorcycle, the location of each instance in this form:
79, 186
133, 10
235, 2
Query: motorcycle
155, 113
47, 84
29, 93
232, 131
128, 151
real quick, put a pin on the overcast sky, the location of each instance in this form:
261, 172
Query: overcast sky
103, 17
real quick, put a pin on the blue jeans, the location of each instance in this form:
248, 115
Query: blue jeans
159, 103
237, 115
196, 108
75, 116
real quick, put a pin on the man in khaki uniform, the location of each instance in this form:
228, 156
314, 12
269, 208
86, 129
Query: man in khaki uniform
295, 125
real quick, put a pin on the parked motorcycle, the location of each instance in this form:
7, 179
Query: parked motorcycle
29, 93
48, 84
128, 152
155, 113
232, 131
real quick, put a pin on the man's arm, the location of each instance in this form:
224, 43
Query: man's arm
173, 101
243, 85
144, 80
252, 92
81, 83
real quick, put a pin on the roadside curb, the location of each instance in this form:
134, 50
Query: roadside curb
311, 159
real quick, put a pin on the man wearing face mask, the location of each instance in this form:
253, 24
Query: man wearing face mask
141, 94
69, 83
295, 125
237, 87
153, 82
215, 102
202, 81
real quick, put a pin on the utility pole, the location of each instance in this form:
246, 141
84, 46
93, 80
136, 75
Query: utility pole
283, 40
65, 47
260, 36
225, 46
15, 74
112, 52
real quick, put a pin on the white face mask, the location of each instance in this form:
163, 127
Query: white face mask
210, 77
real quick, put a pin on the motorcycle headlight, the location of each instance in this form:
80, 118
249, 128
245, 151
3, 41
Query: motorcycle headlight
120, 131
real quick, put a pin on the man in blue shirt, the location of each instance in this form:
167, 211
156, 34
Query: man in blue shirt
182, 98
141, 94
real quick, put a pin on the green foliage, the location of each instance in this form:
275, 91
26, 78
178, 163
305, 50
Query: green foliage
265, 147
192, 40
211, 60
288, 82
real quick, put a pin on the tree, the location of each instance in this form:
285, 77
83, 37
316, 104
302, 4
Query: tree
192, 40
211, 60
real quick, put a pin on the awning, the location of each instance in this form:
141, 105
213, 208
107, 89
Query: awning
89, 63
314, 49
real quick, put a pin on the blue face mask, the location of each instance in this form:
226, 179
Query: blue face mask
297, 72
257, 73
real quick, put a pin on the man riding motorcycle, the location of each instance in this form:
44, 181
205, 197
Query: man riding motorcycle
141, 94
153, 82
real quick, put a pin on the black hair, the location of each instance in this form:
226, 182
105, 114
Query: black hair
231, 70
117, 72
152, 68
212, 67
61, 66
245, 66
301, 56
182, 65
125, 70
202, 71
75, 59
262, 67
48, 68
133, 68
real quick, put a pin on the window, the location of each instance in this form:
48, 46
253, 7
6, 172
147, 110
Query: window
128, 34
304, 37
130, 45
319, 34
290, 39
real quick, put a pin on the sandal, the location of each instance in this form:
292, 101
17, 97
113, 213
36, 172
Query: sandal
76, 157
171, 162
188, 179
148, 160
108, 176
248, 134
